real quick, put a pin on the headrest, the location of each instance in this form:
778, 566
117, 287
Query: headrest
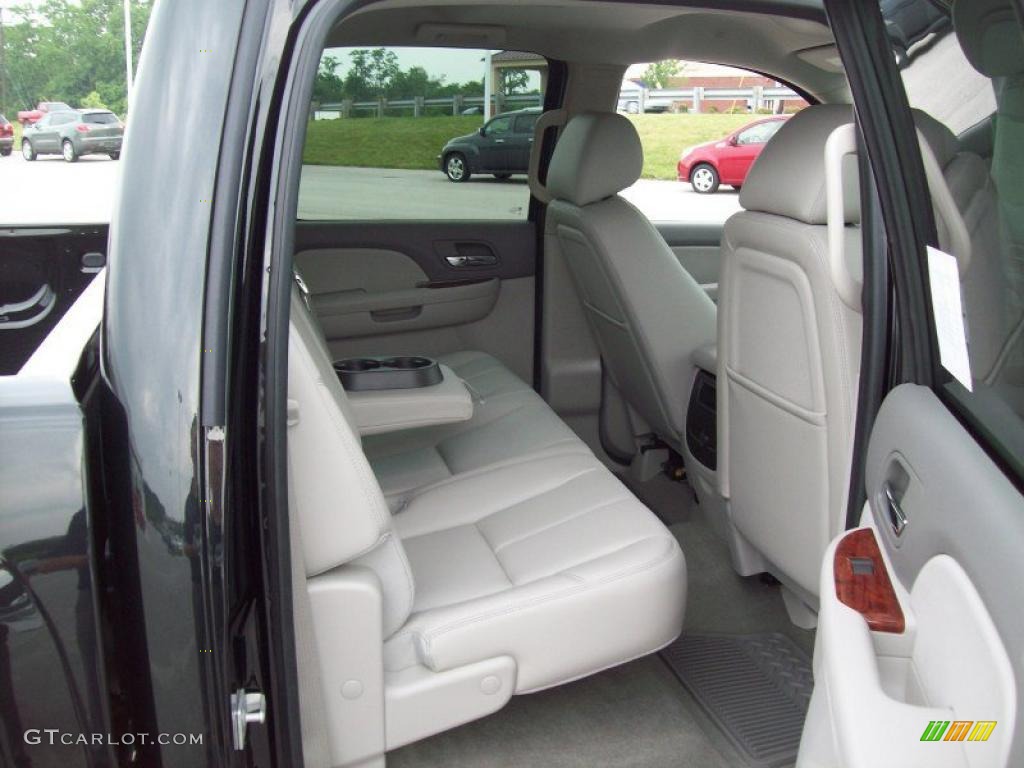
597, 155
943, 143
990, 35
788, 179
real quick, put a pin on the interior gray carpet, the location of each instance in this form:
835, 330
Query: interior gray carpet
718, 600
756, 688
636, 715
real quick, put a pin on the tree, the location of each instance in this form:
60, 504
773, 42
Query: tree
371, 73
328, 87
92, 100
657, 74
65, 50
514, 81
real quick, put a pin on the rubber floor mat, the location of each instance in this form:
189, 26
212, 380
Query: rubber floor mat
756, 688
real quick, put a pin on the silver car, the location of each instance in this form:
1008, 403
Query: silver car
73, 134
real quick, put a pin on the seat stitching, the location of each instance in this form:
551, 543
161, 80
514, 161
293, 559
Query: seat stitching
497, 559
514, 504
550, 526
428, 637
416, 491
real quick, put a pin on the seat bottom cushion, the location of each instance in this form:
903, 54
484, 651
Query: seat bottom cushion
551, 561
510, 422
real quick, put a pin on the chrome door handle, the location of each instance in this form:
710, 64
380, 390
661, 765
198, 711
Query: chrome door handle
459, 260
897, 517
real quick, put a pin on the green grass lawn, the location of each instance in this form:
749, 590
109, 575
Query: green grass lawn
665, 136
413, 143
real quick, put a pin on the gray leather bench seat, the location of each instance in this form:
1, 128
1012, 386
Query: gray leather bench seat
510, 423
551, 561
524, 571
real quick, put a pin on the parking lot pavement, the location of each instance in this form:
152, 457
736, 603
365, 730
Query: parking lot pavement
50, 191
368, 193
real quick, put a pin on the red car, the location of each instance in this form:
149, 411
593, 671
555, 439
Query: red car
32, 116
728, 160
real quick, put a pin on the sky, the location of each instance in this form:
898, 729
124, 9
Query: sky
458, 65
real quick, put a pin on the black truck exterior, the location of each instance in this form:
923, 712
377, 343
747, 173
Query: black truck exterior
129, 619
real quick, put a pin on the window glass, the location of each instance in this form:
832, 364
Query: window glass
685, 112
498, 126
395, 133
759, 134
100, 118
970, 78
526, 123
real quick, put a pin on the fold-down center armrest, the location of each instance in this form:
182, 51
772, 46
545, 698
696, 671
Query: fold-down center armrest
391, 410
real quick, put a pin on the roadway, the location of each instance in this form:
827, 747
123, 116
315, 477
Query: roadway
51, 191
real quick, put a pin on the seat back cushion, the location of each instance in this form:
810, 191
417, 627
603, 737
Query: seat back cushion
338, 503
788, 356
646, 312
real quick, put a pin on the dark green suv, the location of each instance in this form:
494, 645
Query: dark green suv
500, 147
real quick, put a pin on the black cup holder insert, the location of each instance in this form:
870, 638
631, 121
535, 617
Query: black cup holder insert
369, 373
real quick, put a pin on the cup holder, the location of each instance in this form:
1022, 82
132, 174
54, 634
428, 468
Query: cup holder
376, 373
357, 364
407, 363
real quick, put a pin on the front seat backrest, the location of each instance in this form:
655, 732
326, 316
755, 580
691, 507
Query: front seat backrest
788, 352
646, 312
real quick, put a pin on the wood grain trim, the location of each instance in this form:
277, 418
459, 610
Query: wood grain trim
871, 594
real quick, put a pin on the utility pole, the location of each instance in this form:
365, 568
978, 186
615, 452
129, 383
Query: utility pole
488, 86
128, 52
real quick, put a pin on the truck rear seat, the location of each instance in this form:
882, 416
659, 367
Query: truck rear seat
519, 565
510, 423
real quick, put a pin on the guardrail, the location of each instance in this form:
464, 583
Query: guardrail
755, 97
418, 106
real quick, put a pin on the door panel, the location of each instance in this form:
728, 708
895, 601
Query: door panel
350, 314
495, 145
430, 244
368, 270
957, 572
422, 287
733, 166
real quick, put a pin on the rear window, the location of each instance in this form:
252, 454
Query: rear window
3, 120
100, 118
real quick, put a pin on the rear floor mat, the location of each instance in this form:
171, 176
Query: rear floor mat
756, 689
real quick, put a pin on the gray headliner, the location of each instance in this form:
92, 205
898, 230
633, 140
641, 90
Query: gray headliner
581, 31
